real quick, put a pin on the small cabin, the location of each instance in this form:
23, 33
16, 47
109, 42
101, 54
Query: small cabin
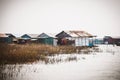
75, 38
4, 38
48, 39
17, 37
112, 40
108, 40
30, 38
11, 38
116, 40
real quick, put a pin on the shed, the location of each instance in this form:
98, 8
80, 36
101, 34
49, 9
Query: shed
11, 37
49, 39
116, 40
112, 40
17, 38
3, 38
30, 37
108, 40
76, 38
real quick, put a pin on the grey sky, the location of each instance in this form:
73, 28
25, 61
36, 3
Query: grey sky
99, 17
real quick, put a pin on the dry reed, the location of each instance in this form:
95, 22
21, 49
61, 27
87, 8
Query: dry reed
16, 53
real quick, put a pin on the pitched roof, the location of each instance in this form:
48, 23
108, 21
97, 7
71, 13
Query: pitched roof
46, 35
63, 34
43, 35
17, 35
80, 34
10, 35
33, 35
74, 33
51, 35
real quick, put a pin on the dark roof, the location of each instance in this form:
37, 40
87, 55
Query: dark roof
25, 36
10, 35
107, 37
63, 34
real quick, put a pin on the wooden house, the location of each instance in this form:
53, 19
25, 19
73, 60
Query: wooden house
30, 38
108, 40
112, 40
76, 38
11, 38
17, 38
48, 39
116, 40
3, 38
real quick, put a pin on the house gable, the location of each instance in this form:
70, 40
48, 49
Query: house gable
10, 35
43, 35
25, 36
62, 34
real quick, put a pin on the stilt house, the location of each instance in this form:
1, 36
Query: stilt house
76, 38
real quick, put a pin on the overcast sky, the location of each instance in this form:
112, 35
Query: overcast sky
99, 17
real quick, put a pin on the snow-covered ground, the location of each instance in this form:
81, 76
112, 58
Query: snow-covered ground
103, 65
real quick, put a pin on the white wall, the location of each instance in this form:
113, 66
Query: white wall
55, 42
81, 41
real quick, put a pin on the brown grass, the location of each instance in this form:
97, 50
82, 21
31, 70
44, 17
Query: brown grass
14, 53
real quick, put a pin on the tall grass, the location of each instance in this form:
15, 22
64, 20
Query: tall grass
15, 53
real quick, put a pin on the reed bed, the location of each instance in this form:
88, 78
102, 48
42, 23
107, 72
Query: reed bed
16, 53
29, 52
